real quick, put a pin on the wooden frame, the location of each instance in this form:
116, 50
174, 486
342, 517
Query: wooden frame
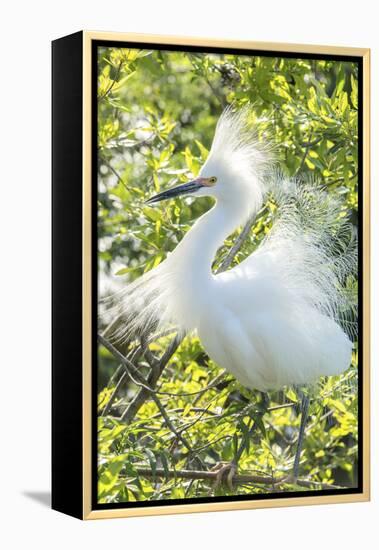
73, 252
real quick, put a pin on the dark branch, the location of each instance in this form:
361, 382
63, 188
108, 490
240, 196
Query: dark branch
237, 479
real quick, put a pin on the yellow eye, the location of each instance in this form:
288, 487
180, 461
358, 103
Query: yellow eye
212, 180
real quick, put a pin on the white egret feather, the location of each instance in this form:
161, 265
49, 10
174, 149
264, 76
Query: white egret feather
277, 318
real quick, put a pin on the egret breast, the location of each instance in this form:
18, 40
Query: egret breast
269, 345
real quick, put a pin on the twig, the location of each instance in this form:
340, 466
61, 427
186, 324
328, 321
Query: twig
318, 421
115, 375
144, 393
192, 409
212, 443
237, 246
130, 369
310, 484
307, 145
311, 143
195, 421
170, 424
220, 99
284, 406
108, 406
109, 89
134, 354
198, 393
340, 180
114, 171
136, 145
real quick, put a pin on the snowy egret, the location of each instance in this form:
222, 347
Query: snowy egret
277, 318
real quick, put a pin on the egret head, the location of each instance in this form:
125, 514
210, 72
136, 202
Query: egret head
233, 172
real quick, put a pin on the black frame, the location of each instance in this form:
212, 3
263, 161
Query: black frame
67, 163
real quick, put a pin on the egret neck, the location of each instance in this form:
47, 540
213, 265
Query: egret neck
195, 253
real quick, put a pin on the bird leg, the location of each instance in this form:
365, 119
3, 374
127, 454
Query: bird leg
303, 422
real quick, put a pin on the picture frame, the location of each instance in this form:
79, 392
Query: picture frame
75, 273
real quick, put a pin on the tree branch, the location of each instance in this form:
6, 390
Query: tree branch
237, 246
108, 406
138, 379
200, 474
130, 369
238, 479
170, 424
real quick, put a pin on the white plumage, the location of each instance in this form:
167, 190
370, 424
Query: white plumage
280, 316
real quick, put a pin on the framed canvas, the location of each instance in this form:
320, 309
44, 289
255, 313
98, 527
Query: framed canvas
210, 275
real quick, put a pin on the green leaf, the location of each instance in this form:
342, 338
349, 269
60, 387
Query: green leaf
109, 475
343, 103
152, 461
354, 92
125, 270
203, 151
152, 213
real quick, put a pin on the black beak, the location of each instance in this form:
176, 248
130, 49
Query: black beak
184, 189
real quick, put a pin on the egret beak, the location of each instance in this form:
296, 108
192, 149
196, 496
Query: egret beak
184, 189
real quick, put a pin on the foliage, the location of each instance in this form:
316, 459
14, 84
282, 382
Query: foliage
156, 116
